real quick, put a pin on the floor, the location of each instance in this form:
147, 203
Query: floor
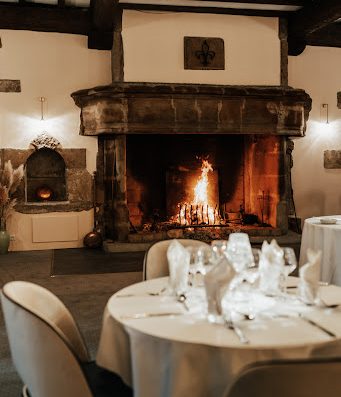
84, 295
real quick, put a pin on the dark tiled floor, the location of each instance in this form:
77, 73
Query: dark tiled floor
84, 295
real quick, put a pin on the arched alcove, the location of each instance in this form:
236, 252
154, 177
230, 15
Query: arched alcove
45, 176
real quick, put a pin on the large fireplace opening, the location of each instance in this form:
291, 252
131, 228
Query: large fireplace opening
154, 140
196, 181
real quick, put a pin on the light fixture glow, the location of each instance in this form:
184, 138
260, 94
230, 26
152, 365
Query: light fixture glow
42, 100
324, 113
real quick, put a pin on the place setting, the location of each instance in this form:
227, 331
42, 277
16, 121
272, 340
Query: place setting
231, 285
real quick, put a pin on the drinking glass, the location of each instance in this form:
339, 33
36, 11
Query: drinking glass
290, 261
218, 250
239, 251
290, 264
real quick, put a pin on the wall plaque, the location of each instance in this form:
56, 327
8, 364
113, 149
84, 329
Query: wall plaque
10, 85
204, 53
332, 159
339, 100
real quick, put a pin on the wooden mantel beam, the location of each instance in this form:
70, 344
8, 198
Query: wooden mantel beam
44, 18
310, 19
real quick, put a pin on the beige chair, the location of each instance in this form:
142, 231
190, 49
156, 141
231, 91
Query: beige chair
155, 262
290, 378
47, 348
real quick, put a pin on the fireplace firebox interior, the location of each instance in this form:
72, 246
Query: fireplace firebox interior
164, 171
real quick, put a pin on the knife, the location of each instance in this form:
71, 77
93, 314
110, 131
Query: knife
330, 333
146, 315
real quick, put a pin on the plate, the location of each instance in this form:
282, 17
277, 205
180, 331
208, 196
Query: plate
328, 221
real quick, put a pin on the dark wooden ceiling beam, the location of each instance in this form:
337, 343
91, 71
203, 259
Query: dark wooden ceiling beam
330, 36
311, 18
204, 10
272, 2
44, 18
100, 36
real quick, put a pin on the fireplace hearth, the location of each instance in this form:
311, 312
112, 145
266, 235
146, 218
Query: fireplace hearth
158, 142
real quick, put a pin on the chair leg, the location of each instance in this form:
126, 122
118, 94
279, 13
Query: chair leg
25, 392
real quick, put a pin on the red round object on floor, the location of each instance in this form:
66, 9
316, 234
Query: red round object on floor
93, 240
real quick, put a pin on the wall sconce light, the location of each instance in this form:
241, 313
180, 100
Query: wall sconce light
324, 113
42, 100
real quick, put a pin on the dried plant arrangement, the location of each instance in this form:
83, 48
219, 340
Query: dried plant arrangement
10, 179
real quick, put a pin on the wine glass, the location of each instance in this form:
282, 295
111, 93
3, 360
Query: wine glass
290, 261
239, 251
218, 250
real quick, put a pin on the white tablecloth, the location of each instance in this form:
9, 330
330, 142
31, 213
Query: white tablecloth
326, 238
184, 355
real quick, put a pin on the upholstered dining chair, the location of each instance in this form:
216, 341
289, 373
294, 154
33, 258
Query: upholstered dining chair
155, 262
289, 378
47, 348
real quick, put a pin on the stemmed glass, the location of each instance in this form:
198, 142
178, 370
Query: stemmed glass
290, 261
239, 251
218, 250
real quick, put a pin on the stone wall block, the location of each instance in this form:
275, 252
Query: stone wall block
186, 112
257, 117
208, 111
230, 115
151, 111
74, 158
17, 156
79, 185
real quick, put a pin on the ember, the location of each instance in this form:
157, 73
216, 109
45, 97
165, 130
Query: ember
44, 193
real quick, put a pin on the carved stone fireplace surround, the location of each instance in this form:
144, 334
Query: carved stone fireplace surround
113, 112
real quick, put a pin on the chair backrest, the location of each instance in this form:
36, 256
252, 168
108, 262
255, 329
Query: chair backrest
155, 262
290, 378
46, 346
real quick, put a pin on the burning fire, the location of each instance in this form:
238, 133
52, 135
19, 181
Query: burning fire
199, 211
200, 190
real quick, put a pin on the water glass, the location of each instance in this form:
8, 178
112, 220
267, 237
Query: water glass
218, 250
239, 251
290, 261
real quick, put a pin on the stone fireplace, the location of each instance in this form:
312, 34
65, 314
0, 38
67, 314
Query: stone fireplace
153, 140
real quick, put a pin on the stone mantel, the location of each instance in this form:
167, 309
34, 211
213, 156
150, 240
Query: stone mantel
156, 108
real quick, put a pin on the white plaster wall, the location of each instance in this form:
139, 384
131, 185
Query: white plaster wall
49, 65
154, 52
317, 191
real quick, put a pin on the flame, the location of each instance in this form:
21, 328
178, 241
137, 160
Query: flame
201, 188
199, 211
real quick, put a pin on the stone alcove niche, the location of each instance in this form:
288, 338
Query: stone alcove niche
48, 164
45, 176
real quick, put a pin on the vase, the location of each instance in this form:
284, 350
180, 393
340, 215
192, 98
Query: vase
4, 241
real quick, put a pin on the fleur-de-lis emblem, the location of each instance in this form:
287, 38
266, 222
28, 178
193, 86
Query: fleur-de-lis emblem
205, 55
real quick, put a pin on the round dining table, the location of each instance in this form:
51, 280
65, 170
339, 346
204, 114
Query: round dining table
163, 347
327, 238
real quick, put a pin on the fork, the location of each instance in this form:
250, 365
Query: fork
230, 325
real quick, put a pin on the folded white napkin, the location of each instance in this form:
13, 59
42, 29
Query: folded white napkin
178, 263
217, 282
310, 276
271, 268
